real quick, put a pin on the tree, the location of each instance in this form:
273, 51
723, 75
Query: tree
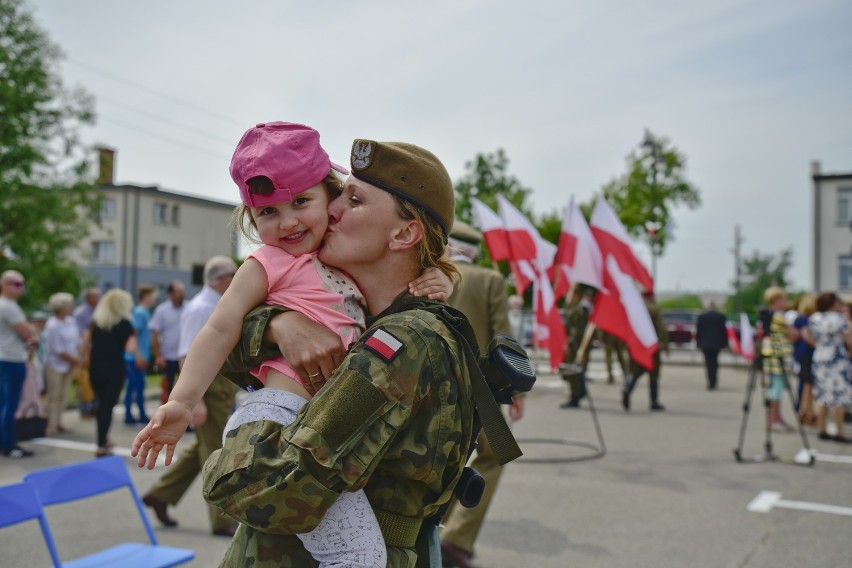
46, 199
486, 176
654, 184
759, 272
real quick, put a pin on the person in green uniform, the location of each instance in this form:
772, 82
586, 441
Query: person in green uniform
577, 319
396, 417
637, 370
613, 346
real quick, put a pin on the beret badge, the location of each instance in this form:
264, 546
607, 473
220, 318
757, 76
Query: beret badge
362, 155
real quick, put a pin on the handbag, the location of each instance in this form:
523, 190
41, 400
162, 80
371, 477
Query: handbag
30, 425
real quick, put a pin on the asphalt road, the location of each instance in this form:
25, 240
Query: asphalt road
668, 491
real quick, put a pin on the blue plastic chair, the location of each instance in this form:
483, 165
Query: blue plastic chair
77, 481
18, 503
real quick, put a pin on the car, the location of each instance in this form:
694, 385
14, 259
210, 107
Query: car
680, 325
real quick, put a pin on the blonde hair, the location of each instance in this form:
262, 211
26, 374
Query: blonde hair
431, 250
807, 304
261, 185
113, 307
59, 301
772, 293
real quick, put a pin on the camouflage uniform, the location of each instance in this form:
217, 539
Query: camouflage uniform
577, 316
395, 421
637, 370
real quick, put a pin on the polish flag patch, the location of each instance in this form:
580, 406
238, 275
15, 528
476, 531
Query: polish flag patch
384, 344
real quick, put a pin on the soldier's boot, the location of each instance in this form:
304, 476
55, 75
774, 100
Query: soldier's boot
629, 383
654, 389
577, 390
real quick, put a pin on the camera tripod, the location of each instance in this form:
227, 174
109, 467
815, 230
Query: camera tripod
756, 374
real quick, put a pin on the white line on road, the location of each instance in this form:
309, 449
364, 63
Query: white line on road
802, 457
767, 500
87, 447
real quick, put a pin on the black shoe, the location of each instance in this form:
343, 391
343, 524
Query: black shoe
573, 403
825, 436
657, 407
18, 452
160, 509
841, 439
625, 400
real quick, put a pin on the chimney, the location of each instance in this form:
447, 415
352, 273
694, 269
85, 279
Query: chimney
816, 168
106, 166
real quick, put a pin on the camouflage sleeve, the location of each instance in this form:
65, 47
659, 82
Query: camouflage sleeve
251, 350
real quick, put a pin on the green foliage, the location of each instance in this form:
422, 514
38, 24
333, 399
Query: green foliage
486, 177
654, 184
759, 272
686, 302
46, 199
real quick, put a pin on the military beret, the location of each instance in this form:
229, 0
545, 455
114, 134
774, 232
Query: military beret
408, 171
464, 232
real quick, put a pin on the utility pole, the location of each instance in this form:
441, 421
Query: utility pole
738, 241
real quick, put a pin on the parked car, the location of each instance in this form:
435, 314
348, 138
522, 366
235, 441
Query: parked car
680, 324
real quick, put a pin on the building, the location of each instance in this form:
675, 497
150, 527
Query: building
151, 236
832, 231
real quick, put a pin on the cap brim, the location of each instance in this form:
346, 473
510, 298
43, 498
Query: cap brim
339, 168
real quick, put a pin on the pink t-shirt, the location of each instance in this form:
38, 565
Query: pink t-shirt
325, 294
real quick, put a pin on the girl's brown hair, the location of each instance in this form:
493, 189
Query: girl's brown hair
262, 185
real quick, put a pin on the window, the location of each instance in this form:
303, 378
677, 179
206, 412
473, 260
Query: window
175, 257
107, 212
160, 213
158, 257
844, 205
175, 215
844, 272
103, 252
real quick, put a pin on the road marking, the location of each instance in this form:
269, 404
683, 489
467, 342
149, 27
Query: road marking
89, 448
803, 457
767, 500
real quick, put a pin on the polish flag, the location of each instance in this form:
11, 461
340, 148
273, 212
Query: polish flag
578, 258
733, 339
612, 239
746, 338
496, 239
535, 253
620, 310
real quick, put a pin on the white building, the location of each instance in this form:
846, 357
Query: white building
832, 231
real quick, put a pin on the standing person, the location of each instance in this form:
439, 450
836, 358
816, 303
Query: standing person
830, 332
108, 337
138, 360
83, 316
577, 320
516, 317
62, 341
83, 313
290, 223
216, 404
481, 296
637, 370
613, 346
803, 353
17, 338
711, 336
777, 353
165, 335
406, 440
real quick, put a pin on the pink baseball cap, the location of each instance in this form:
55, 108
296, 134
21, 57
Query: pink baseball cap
288, 154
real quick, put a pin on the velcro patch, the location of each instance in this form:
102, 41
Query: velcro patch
384, 344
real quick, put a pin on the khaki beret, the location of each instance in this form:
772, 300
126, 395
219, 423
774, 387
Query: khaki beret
464, 232
408, 171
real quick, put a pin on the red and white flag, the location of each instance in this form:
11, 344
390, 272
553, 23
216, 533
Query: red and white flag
534, 256
496, 239
612, 239
578, 258
733, 338
620, 310
746, 338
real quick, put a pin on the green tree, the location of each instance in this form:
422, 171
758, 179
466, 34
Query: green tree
759, 272
486, 176
654, 184
46, 197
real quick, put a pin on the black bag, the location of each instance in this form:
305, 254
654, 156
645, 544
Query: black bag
29, 427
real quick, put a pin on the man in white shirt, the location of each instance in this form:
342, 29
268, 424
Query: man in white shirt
165, 335
217, 404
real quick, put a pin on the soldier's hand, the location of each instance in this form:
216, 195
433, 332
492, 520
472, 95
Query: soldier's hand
311, 349
516, 409
163, 431
433, 284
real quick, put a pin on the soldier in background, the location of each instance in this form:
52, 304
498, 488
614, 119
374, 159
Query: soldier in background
481, 296
637, 370
614, 346
577, 314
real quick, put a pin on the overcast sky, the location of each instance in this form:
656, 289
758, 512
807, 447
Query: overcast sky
750, 91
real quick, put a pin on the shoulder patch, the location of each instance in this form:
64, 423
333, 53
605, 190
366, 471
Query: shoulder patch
384, 344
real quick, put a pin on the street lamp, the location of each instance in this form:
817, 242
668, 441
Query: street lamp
652, 225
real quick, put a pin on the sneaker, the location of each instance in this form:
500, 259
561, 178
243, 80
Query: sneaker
18, 452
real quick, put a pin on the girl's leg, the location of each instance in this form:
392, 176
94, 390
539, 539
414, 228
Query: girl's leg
140, 396
53, 382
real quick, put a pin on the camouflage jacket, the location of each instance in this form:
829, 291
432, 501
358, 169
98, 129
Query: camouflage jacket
396, 419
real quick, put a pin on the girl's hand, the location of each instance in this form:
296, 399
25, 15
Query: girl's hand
164, 430
433, 284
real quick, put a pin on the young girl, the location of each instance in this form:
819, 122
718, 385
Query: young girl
286, 182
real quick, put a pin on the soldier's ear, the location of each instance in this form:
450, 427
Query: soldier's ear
406, 235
